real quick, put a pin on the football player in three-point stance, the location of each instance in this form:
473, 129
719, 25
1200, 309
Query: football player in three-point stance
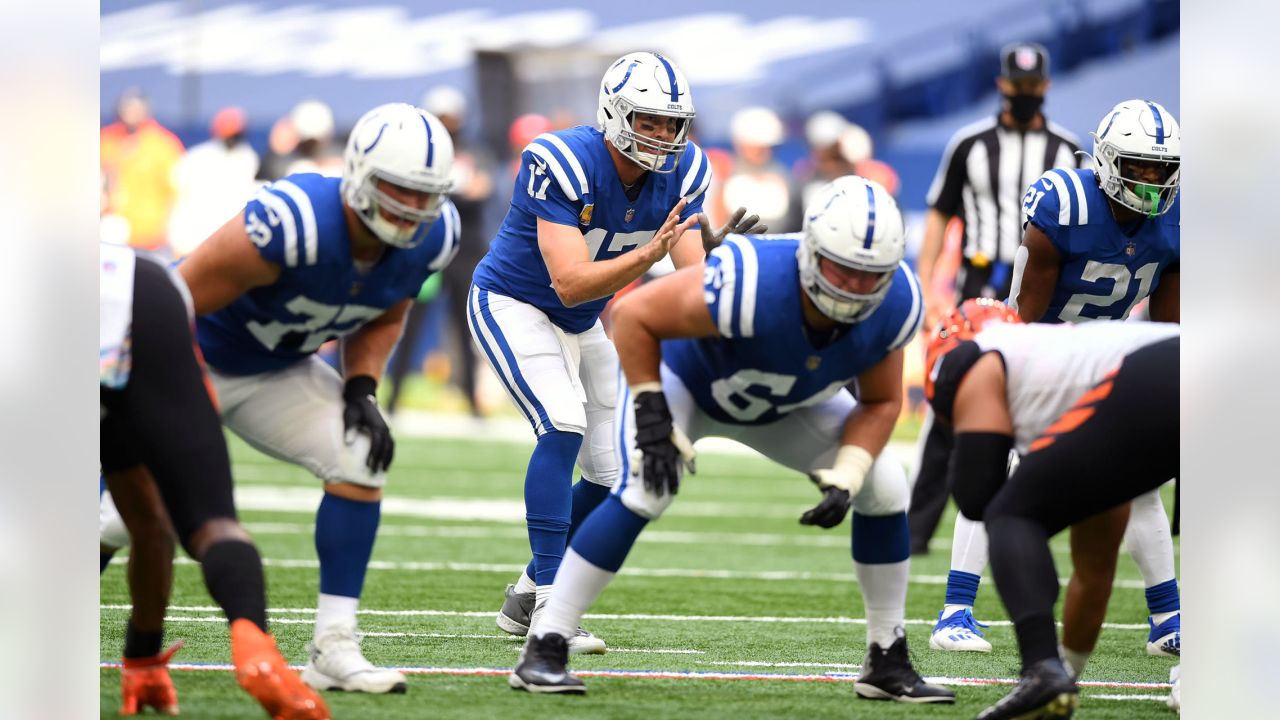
760, 346
1097, 241
1093, 410
176, 474
311, 259
593, 209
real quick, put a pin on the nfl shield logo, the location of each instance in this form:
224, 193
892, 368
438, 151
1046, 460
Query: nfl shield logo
1130, 249
813, 362
631, 213
584, 217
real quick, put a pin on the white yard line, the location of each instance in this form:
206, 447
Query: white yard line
701, 574
834, 620
697, 675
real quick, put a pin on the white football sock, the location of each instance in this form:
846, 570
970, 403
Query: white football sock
578, 584
969, 546
335, 610
1149, 540
949, 610
525, 583
1161, 617
1074, 659
884, 594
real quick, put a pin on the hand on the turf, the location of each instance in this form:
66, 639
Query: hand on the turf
737, 225
145, 682
361, 415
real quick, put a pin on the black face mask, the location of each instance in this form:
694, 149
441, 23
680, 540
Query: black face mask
1023, 108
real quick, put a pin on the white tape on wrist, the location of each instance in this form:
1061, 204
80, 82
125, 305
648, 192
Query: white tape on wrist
644, 387
849, 470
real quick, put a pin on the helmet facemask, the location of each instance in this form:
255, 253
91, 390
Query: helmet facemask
843, 306
1120, 183
374, 203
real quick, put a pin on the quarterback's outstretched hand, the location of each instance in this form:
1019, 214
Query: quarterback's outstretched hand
662, 446
737, 225
671, 231
831, 510
362, 416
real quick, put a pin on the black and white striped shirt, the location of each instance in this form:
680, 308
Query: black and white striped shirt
984, 172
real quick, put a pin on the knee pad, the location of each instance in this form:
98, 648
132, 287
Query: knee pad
886, 490
642, 502
598, 458
349, 465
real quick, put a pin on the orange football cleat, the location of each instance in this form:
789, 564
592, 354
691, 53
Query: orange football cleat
264, 674
145, 682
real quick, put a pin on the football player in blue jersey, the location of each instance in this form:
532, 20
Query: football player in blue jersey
311, 259
761, 347
1096, 243
593, 208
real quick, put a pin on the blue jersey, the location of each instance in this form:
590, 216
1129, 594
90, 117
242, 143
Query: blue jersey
1103, 272
762, 364
298, 223
568, 178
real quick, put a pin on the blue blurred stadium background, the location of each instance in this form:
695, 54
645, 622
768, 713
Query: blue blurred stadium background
910, 71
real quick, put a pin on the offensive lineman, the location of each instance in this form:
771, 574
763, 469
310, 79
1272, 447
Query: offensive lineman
1093, 409
760, 347
593, 208
315, 258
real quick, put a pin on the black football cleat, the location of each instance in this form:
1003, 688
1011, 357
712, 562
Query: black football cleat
1045, 692
543, 667
889, 675
516, 610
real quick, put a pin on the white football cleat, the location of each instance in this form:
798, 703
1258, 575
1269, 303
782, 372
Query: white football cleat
958, 632
1165, 639
337, 664
1175, 693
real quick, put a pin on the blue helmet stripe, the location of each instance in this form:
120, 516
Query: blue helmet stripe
871, 218
626, 77
376, 138
1159, 122
1107, 129
431, 146
671, 76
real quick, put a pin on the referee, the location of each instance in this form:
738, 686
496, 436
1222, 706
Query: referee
985, 170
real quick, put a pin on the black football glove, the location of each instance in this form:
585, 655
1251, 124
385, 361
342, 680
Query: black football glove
362, 415
737, 225
831, 510
656, 439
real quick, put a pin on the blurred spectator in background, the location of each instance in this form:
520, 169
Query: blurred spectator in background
137, 160
303, 141
473, 186
857, 149
825, 162
758, 181
984, 172
213, 181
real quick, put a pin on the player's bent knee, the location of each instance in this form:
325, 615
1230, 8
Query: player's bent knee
644, 503
885, 490
112, 533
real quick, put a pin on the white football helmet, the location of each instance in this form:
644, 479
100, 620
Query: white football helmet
405, 146
855, 223
649, 83
1139, 130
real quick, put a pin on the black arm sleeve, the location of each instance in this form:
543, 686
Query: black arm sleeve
979, 465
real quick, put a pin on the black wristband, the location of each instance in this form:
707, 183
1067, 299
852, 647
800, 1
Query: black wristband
359, 388
141, 643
